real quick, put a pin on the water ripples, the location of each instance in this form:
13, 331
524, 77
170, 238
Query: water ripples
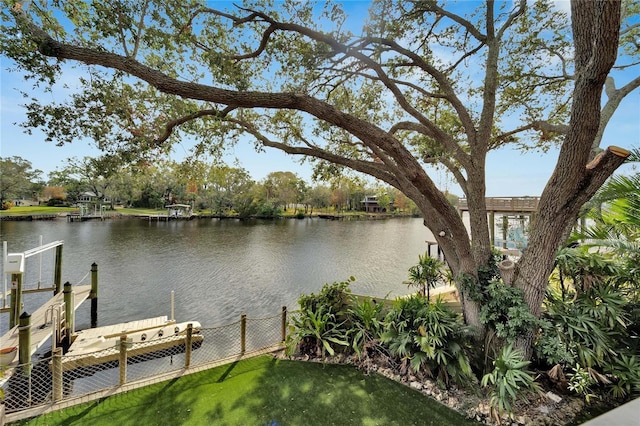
219, 269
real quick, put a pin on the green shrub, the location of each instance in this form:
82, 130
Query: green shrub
509, 380
430, 337
426, 274
365, 322
591, 336
336, 296
315, 332
268, 211
580, 382
506, 312
625, 371
322, 324
587, 330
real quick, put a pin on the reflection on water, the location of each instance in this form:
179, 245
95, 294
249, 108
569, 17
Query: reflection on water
217, 268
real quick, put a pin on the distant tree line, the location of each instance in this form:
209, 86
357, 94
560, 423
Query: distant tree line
216, 189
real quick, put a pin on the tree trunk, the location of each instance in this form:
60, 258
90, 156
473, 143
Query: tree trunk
574, 181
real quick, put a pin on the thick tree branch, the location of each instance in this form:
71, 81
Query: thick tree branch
542, 126
614, 97
433, 7
375, 169
455, 149
443, 83
171, 125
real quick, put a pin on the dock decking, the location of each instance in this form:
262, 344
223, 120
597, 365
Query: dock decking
100, 345
41, 331
505, 204
108, 331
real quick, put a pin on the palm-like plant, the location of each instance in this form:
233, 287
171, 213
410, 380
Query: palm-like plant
429, 338
316, 332
510, 380
426, 274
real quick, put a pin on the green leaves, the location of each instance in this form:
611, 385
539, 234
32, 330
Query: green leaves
320, 328
509, 379
426, 274
431, 337
505, 311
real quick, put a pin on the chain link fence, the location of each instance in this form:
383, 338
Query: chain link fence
58, 377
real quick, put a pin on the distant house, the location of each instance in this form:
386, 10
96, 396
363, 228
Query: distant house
370, 204
90, 203
92, 198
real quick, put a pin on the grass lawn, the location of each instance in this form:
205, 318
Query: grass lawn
267, 392
29, 210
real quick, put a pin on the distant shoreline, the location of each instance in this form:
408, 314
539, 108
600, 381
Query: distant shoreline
119, 215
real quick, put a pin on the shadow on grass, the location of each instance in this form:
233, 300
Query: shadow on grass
298, 393
267, 392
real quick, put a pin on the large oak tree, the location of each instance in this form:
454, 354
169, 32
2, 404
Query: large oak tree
422, 82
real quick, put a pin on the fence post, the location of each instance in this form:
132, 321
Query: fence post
283, 325
243, 333
57, 374
187, 348
123, 359
94, 295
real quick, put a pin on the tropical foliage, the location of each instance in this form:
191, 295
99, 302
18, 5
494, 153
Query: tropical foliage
509, 380
429, 338
390, 98
426, 274
590, 336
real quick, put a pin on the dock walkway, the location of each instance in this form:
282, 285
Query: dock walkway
109, 331
41, 330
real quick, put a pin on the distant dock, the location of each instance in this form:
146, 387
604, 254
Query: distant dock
75, 217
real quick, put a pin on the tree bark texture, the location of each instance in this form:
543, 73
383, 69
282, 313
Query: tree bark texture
574, 181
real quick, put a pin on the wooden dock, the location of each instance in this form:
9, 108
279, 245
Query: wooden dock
116, 330
505, 204
98, 346
40, 330
75, 217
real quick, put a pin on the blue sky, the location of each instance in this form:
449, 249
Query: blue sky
509, 172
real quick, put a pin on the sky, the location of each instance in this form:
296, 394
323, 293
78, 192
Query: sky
509, 172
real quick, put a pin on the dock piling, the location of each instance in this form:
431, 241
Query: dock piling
24, 343
57, 273
93, 295
16, 299
68, 313
56, 360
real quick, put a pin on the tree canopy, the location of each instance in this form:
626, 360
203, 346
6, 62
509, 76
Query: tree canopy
18, 179
420, 83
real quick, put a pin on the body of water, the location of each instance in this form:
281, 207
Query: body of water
218, 269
